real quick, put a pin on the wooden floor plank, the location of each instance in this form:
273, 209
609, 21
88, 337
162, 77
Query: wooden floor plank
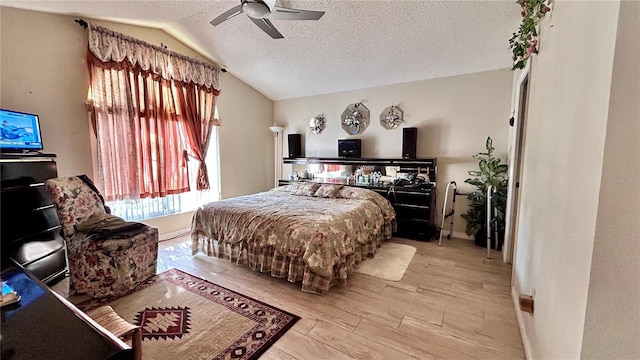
370, 305
273, 353
477, 346
304, 347
411, 343
414, 304
354, 345
493, 328
438, 300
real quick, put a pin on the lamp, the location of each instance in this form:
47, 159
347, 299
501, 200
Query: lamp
277, 156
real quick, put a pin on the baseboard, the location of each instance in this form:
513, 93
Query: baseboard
525, 339
457, 235
173, 235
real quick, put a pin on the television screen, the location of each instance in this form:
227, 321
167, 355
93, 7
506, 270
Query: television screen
20, 132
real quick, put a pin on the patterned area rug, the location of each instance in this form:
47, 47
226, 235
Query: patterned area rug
185, 317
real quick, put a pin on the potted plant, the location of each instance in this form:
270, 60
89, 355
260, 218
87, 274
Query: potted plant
490, 172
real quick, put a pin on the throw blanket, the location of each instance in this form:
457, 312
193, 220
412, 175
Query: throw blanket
109, 226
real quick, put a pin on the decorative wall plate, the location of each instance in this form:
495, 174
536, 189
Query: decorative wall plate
317, 124
391, 117
355, 119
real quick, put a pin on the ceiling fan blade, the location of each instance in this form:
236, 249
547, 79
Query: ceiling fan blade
226, 15
267, 27
280, 13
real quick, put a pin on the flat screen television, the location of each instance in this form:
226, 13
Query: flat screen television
20, 132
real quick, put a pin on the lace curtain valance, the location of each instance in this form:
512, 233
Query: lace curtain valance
108, 45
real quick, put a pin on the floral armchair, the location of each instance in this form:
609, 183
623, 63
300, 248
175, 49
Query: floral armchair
108, 266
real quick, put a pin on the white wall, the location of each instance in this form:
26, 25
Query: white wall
565, 142
612, 321
454, 116
43, 71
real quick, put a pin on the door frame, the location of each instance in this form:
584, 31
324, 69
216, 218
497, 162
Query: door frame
516, 149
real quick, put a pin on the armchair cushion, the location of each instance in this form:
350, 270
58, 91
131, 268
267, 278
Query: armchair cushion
75, 202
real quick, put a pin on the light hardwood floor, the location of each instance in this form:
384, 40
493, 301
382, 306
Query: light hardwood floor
452, 303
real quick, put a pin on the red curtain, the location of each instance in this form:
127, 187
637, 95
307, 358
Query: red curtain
140, 139
197, 105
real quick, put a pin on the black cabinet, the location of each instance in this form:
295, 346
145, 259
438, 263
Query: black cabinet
30, 228
415, 211
414, 203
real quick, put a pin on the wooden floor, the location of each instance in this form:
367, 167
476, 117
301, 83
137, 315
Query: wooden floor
452, 303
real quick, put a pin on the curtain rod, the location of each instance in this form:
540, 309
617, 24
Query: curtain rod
82, 23
85, 25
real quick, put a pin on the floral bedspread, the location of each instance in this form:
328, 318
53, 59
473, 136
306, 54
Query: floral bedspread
322, 231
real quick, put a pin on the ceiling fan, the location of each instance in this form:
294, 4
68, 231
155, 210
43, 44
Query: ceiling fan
262, 11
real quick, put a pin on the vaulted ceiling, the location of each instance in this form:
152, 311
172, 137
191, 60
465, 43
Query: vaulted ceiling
356, 44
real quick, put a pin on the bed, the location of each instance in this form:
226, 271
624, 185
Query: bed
309, 232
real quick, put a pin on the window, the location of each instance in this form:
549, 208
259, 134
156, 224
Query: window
153, 114
140, 209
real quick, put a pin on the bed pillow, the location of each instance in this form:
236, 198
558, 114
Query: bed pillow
328, 191
290, 188
350, 192
293, 188
307, 189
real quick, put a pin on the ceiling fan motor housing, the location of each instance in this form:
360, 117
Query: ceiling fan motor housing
258, 9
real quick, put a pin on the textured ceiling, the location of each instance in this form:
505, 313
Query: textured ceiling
356, 44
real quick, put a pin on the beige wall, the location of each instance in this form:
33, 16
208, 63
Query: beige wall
612, 320
454, 116
246, 143
43, 71
563, 167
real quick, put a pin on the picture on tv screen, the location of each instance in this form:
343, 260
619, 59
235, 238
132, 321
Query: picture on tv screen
19, 131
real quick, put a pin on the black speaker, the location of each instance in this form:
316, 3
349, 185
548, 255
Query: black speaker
295, 146
409, 142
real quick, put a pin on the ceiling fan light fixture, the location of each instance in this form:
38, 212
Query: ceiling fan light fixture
261, 12
257, 9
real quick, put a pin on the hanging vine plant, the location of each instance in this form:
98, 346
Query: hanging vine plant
524, 42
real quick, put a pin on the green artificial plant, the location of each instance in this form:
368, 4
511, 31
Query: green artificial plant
524, 42
490, 172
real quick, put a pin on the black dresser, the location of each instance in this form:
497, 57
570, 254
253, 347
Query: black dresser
30, 228
415, 210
